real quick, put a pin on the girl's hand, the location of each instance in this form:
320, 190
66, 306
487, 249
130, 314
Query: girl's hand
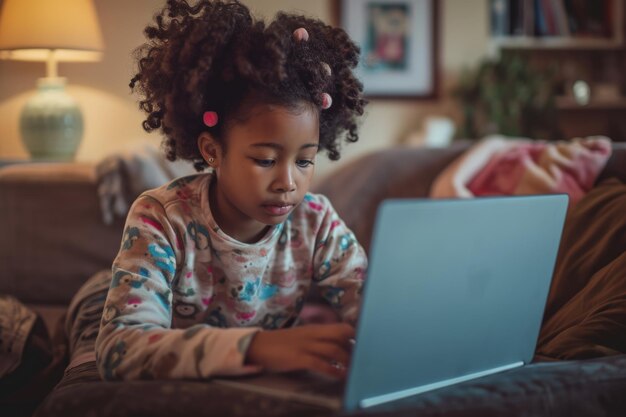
322, 348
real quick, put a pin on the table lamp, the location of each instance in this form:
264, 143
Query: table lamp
51, 123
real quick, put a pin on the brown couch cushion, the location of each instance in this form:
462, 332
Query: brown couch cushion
586, 311
52, 235
357, 189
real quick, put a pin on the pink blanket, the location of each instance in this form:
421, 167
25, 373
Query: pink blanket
500, 166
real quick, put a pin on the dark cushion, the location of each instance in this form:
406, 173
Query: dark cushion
40, 368
586, 310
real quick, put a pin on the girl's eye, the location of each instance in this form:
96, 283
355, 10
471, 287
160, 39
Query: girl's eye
265, 163
303, 163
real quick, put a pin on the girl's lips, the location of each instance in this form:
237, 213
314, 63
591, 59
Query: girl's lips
277, 210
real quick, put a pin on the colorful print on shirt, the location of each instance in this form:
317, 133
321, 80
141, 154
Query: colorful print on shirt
183, 293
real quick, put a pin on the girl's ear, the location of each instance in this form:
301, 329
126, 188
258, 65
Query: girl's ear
210, 149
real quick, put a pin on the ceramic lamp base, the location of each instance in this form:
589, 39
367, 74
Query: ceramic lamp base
51, 122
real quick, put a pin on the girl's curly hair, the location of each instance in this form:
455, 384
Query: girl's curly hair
213, 55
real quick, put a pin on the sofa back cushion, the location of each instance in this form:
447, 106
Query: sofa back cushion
52, 236
357, 188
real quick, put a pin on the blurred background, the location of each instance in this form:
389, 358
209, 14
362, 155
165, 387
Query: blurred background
550, 69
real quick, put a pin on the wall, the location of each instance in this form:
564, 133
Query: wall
112, 120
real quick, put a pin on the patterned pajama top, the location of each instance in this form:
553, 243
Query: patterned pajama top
185, 297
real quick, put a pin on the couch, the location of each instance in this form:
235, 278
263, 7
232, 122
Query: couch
53, 238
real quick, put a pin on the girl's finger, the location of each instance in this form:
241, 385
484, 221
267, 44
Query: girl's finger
330, 352
339, 333
318, 365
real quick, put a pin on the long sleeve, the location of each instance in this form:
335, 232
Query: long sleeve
339, 263
136, 338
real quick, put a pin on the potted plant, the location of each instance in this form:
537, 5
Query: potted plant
509, 97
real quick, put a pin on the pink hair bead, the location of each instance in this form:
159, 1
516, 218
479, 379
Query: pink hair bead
327, 101
209, 118
301, 34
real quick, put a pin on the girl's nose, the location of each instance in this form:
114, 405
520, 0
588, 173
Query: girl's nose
284, 182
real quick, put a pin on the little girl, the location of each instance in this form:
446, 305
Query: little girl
214, 268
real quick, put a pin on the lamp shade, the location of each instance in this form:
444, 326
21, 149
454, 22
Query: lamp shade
51, 122
30, 29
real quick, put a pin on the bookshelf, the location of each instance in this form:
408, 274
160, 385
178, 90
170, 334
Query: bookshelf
577, 40
555, 42
568, 103
560, 24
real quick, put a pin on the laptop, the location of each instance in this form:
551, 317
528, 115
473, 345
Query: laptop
456, 290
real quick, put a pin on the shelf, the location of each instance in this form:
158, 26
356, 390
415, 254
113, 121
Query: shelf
555, 42
568, 103
557, 24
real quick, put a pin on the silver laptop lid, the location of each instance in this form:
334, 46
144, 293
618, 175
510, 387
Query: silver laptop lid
456, 289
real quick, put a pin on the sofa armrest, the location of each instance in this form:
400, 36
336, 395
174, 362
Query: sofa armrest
52, 237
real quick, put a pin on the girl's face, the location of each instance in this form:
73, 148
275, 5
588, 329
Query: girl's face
266, 170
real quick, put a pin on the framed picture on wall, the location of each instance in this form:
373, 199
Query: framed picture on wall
398, 45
